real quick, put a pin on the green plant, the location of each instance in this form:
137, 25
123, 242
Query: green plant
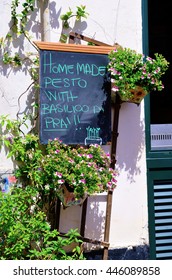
82, 170
80, 12
26, 234
7, 59
130, 69
19, 21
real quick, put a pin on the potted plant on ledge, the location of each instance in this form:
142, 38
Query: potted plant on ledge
133, 75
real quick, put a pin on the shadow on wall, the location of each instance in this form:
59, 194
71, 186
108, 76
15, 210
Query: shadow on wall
95, 218
131, 140
95, 221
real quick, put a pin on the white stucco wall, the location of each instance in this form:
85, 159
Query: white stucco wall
111, 21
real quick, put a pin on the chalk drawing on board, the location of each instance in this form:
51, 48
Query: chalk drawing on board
93, 136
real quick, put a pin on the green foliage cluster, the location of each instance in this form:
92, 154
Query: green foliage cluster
22, 18
25, 233
42, 172
130, 69
84, 170
80, 12
17, 28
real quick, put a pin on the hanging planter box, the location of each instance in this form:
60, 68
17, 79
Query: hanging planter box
137, 95
68, 198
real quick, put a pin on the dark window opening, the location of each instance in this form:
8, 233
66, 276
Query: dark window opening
160, 34
159, 39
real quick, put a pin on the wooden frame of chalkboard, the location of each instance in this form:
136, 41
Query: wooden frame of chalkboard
73, 48
75, 93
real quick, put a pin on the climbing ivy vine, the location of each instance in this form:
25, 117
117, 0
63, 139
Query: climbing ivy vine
22, 18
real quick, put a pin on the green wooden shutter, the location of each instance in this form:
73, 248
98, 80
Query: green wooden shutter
160, 214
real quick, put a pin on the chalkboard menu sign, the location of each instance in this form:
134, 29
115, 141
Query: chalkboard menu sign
75, 102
